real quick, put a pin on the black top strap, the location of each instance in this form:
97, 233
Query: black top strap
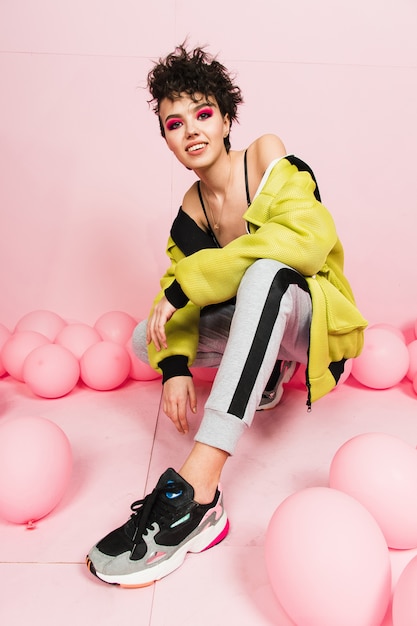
200, 195
213, 236
248, 200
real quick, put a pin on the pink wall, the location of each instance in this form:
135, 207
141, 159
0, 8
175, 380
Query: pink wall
88, 189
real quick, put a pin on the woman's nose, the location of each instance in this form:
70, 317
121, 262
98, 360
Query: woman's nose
190, 128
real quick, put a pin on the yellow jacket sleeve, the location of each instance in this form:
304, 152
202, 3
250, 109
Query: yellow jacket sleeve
182, 329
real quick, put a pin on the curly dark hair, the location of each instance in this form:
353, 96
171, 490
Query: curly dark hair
193, 72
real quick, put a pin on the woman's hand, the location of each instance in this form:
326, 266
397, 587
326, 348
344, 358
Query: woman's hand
178, 393
155, 330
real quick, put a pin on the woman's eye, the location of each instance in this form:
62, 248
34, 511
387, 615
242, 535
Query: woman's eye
205, 114
173, 124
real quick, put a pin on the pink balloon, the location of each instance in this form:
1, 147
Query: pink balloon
77, 338
17, 348
380, 471
35, 468
404, 599
138, 369
415, 329
412, 352
415, 384
327, 560
47, 323
384, 360
393, 329
115, 326
105, 365
51, 371
4, 336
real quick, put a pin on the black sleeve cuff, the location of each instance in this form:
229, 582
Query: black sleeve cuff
175, 295
176, 365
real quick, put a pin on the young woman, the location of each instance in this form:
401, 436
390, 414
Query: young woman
255, 285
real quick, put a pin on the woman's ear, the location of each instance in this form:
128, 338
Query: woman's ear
226, 124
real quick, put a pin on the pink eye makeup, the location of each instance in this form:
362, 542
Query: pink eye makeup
202, 113
173, 123
205, 113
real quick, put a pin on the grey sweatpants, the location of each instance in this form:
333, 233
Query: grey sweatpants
270, 320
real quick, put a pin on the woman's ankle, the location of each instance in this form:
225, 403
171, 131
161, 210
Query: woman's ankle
202, 469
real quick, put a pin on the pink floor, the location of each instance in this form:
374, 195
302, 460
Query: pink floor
121, 443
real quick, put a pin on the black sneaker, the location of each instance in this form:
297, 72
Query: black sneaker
164, 526
282, 373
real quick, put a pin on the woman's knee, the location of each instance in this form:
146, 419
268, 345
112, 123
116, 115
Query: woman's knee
261, 274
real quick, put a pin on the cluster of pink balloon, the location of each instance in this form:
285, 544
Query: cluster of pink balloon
51, 355
328, 549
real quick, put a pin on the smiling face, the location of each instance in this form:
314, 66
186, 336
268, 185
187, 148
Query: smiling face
194, 129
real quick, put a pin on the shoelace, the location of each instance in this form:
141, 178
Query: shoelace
142, 509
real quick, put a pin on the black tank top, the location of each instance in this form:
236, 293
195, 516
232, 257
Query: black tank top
248, 200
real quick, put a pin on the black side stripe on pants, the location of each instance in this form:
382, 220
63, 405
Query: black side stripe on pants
270, 311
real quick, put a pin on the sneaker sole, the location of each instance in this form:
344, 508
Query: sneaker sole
199, 543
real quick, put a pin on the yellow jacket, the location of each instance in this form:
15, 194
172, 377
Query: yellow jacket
287, 223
